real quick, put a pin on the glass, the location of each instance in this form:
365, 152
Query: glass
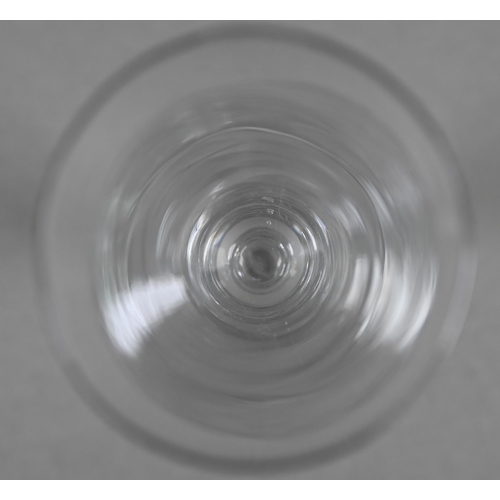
253, 247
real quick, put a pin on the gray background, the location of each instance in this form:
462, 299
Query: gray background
47, 69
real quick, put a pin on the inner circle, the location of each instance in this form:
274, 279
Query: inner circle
259, 261
259, 264
261, 258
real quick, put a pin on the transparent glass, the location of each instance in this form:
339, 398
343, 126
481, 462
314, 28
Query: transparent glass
253, 246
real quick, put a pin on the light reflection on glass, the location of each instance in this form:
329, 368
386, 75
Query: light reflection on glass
133, 312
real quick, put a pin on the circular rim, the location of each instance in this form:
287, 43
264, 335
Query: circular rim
454, 316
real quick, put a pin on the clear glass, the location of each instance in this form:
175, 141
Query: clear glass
253, 247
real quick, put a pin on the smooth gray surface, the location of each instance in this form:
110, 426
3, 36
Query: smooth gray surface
47, 69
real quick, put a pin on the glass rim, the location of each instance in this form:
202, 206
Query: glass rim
181, 45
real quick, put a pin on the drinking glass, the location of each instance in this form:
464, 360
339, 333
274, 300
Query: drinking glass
253, 247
